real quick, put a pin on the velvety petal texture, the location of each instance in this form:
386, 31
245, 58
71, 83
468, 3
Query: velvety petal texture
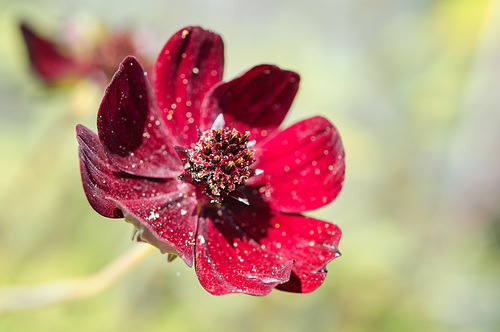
203, 190
229, 261
160, 208
256, 101
310, 243
166, 220
303, 167
103, 181
130, 128
188, 66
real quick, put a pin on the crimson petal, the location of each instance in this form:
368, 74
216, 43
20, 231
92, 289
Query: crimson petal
303, 282
47, 61
190, 63
103, 181
166, 220
129, 126
228, 261
256, 101
309, 242
303, 167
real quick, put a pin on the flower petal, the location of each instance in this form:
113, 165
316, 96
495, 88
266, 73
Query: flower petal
130, 128
190, 63
257, 101
303, 282
165, 220
303, 167
98, 174
228, 261
309, 242
47, 61
103, 181
162, 210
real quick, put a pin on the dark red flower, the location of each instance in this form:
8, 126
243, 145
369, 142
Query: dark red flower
53, 62
201, 169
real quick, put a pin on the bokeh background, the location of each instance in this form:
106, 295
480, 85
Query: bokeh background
412, 85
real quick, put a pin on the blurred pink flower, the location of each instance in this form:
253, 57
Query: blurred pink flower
55, 62
201, 169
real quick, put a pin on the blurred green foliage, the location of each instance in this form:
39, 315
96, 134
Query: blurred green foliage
409, 84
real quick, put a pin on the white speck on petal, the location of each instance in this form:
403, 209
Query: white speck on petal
153, 216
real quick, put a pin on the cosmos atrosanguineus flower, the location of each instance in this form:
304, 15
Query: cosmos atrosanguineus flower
57, 61
201, 168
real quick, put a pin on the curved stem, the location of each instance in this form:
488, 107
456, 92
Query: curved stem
13, 298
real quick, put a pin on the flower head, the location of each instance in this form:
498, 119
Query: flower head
55, 62
201, 168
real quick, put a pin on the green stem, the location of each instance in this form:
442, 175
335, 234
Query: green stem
15, 298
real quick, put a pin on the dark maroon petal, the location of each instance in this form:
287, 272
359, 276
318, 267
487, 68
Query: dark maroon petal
98, 174
188, 66
303, 167
163, 211
309, 242
47, 61
228, 261
257, 101
103, 181
166, 220
131, 131
303, 282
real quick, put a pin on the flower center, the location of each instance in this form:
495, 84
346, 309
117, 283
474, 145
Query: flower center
220, 161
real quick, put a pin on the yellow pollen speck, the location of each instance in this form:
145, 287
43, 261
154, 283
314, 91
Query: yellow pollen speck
184, 33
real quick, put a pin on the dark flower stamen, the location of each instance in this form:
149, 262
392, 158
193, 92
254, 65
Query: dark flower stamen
220, 162
244, 137
239, 162
208, 150
233, 137
218, 134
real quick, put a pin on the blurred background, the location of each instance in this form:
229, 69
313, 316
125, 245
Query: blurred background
412, 86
